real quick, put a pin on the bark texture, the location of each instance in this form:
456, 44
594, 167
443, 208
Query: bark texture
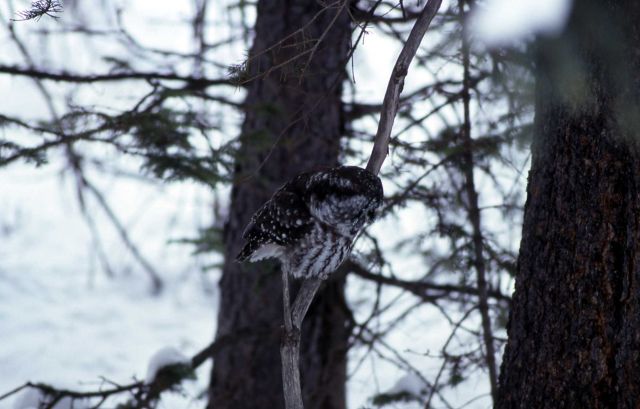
574, 332
293, 122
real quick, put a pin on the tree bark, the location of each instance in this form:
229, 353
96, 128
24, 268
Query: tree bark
293, 122
574, 331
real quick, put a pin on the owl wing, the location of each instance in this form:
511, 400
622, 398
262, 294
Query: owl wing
281, 221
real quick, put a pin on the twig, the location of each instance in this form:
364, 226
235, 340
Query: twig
245, 65
444, 355
423, 289
321, 38
156, 281
14, 391
396, 83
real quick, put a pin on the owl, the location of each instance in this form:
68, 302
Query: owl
310, 223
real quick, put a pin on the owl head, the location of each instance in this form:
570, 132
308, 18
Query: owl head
345, 197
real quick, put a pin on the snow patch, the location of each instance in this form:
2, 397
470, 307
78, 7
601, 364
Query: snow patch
164, 357
411, 384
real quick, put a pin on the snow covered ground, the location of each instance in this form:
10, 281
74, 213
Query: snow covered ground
62, 320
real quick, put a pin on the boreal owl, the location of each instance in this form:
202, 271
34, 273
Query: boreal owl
310, 223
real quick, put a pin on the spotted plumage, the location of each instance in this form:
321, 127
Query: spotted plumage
310, 223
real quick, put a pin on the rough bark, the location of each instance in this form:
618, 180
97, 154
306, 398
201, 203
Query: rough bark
293, 122
574, 331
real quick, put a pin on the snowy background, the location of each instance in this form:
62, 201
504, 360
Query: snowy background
62, 320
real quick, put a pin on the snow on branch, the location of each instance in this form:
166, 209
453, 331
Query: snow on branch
166, 360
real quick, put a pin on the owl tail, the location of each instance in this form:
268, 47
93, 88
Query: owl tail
245, 253
255, 252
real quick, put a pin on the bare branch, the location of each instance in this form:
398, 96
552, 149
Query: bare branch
63, 76
156, 281
396, 83
407, 15
320, 39
425, 290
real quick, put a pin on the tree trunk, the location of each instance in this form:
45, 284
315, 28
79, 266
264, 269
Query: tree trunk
293, 122
574, 331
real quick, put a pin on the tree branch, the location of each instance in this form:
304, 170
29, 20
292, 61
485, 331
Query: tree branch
156, 281
363, 15
421, 289
64, 76
396, 83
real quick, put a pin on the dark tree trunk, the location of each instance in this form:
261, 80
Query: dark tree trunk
293, 122
574, 331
